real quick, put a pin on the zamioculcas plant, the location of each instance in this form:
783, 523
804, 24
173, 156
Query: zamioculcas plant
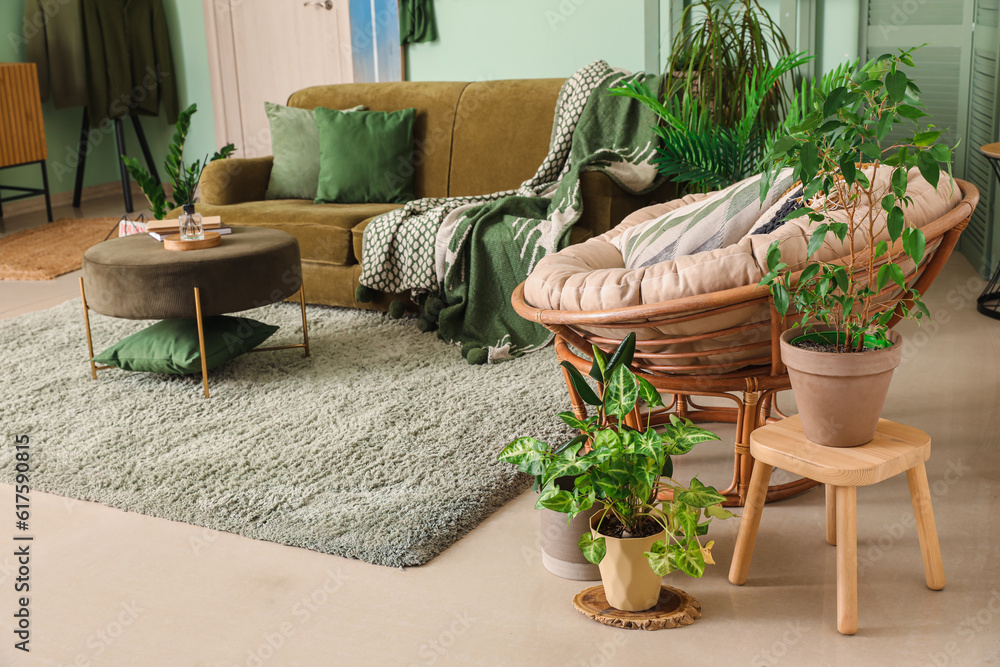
626, 470
842, 130
184, 179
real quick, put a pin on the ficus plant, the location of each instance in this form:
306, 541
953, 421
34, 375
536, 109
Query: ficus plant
625, 469
837, 132
183, 178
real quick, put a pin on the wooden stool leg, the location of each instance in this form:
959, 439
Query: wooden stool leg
930, 550
749, 523
831, 514
847, 559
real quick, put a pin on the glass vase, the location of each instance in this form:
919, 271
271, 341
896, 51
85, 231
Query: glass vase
190, 224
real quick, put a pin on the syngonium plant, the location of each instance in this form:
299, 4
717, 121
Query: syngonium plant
626, 469
183, 178
828, 142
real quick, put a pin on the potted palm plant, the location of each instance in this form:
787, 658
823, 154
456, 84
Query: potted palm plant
854, 169
648, 525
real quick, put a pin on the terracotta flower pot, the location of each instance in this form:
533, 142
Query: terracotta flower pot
560, 552
840, 395
629, 583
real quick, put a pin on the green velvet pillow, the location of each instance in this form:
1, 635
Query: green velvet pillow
365, 156
171, 346
295, 146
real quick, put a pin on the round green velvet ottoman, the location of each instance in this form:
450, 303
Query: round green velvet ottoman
135, 278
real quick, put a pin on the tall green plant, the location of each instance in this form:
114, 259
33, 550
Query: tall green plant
837, 132
625, 469
184, 179
720, 46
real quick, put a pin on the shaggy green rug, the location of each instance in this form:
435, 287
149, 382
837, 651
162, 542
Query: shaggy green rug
381, 446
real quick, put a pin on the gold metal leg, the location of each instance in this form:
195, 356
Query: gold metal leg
305, 327
86, 322
201, 339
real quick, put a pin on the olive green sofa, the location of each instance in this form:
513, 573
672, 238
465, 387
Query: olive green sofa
471, 139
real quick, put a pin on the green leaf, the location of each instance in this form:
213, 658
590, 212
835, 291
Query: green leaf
718, 512
570, 448
832, 103
809, 156
911, 112
848, 168
580, 384
782, 145
660, 558
843, 281
598, 366
888, 202
895, 222
884, 125
926, 138
882, 279
592, 547
773, 255
896, 273
623, 355
808, 273
649, 393
940, 152
816, 240
553, 498
563, 467
895, 85
881, 248
916, 243
871, 150
700, 495
572, 421
607, 439
899, 182
781, 297
929, 168
621, 392
691, 561
528, 454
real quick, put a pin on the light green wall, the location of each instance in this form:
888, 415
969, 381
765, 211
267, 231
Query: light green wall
490, 39
62, 127
837, 24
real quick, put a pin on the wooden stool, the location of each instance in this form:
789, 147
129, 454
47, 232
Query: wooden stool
896, 448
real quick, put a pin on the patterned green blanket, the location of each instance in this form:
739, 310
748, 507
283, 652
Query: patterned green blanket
467, 254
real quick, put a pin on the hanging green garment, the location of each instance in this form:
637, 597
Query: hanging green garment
416, 21
112, 56
54, 42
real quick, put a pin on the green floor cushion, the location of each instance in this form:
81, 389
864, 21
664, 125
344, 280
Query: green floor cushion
366, 156
171, 346
295, 145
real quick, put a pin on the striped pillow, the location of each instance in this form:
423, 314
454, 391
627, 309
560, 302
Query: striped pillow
715, 222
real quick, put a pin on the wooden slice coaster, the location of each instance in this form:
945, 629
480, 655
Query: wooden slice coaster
174, 242
673, 609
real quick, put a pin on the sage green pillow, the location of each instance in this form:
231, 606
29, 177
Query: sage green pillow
295, 146
365, 157
171, 346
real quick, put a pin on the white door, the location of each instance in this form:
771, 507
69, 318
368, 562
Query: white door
264, 50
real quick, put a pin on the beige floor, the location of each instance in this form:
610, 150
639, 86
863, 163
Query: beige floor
116, 588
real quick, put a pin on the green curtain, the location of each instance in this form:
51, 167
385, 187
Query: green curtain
416, 21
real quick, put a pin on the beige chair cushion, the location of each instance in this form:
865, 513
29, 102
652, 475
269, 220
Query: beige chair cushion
593, 277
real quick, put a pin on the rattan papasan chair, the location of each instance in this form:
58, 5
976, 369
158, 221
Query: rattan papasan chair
704, 328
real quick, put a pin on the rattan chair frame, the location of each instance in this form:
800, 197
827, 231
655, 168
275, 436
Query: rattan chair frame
752, 387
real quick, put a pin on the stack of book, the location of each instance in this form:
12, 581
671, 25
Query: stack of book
160, 229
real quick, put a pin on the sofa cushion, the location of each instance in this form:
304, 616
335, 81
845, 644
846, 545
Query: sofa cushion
502, 132
435, 104
365, 156
295, 144
323, 230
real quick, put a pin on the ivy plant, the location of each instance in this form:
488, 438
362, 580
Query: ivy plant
839, 131
626, 469
183, 178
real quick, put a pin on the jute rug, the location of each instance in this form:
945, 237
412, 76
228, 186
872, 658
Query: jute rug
50, 250
381, 446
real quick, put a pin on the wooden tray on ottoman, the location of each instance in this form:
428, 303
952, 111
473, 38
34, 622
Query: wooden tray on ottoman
174, 242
